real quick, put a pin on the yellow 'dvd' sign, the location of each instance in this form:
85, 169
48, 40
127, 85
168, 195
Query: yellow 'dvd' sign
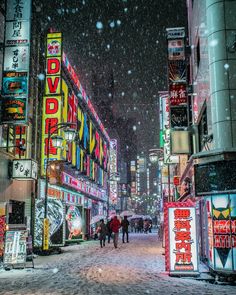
45, 234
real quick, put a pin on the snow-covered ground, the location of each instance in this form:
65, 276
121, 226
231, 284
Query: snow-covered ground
136, 268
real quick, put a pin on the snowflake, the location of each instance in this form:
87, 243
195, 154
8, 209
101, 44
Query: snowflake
99, 25
112, 24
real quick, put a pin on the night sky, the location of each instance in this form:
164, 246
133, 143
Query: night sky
123, 36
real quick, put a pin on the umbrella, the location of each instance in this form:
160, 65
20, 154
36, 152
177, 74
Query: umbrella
147, 217
126, 213
97, 218
136, 216
112, 215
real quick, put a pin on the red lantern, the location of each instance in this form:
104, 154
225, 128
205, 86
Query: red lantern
176, 180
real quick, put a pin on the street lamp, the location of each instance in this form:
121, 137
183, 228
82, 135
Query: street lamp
69, 135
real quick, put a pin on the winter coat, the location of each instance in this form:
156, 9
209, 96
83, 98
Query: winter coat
115, 225
102, 230
125, 224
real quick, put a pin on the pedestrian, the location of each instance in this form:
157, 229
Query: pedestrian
140, 225
125, 229
115, 226
102, 231
150, 225
136, 226
146, 226
109, 231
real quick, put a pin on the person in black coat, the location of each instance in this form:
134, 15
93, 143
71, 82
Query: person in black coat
125, 229
109, 231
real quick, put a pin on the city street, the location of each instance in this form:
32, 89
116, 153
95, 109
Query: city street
136, 268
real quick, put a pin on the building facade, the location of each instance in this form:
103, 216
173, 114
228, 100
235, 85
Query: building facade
207, 175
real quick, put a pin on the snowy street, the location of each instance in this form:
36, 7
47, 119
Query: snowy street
136, 268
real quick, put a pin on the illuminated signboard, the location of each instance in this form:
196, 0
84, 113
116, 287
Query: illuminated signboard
178, 94
113, 169
15, 59
181, 256
177, 78
23, 169
83, 94
90, 156
177, 71
221, 233
176, 49
182, 240
16, 62
83, 186
52, 101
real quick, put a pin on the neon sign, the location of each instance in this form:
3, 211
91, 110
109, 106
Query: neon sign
85, 98
52, 101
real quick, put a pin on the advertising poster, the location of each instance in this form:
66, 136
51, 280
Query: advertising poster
15, 83
233, 227
183, 240
16, 62
15, 247
73, 222
223, 225
14, 109
56, 222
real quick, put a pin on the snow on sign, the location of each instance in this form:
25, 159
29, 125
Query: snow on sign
182, 240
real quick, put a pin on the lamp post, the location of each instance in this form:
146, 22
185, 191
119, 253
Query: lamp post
69, 135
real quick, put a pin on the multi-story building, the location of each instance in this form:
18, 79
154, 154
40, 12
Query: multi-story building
41, 93
208, 177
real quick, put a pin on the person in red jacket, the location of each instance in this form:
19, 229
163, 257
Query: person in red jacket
115, 226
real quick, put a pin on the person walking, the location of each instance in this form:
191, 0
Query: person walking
102, 231
115, 226
109, 231
125, 229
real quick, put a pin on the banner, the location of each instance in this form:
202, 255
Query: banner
52, 101
16, 62
113, 195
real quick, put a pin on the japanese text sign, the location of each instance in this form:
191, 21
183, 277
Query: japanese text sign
16, 62
182, 240
24, 169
